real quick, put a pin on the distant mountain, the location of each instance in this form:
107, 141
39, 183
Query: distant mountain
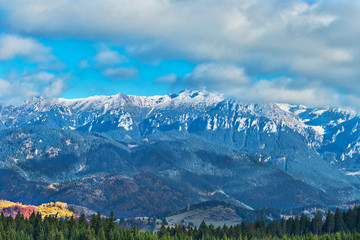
42, 164
145, 155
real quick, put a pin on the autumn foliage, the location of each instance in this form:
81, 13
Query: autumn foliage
47, 209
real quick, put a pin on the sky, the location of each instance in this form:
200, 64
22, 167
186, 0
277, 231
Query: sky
288, 51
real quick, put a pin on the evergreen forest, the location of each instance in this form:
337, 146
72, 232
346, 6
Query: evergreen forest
338, 225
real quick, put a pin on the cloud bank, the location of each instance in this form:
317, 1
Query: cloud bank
235, 83
12, 46
16, 89
301, 51
107, 57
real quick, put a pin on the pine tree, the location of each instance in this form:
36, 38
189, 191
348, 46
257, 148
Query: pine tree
303, 224
51, 235
162, 231
110, 224
243, 229
250, 230
203, 229
263, 227
329, 223
237, 231
338, 221
316, 223
95, 222
296, 228
82, 221
60, 236
349, 220
89, 235
101, 234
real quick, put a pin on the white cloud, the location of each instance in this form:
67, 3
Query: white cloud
285, 90
215, 73
282, 90
309, 43
41, 77
54, 89
108, 58
16, 89
216, 77
4, 87
232, 81
107, 61
170, 78
266, 35
12, 46
121, 73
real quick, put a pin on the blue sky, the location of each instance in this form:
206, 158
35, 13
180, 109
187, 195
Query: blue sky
84, 73
302, 52
91, 80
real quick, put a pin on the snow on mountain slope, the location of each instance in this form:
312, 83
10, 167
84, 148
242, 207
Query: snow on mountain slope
340, 130
134, 116
317, 145
178, 111
75, 113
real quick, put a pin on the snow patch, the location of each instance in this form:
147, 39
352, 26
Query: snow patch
352, 173
132, 146
270, 127
242, 123
126, 122
319, 130
319, 112
340, 120
285, 107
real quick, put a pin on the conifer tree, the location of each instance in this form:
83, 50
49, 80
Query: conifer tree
162, 231
350, 220
203, 229
303, 224
82, 221
317, 223
101, 234
296, 228
339, 225
250, 230
329, 223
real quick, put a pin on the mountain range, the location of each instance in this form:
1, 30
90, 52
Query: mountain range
145, 155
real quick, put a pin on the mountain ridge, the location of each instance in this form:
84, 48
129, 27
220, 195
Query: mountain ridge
317, 146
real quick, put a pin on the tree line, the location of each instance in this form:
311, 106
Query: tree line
338, 225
